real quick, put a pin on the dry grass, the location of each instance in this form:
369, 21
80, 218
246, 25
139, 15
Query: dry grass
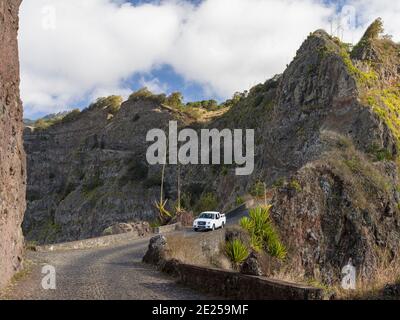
186, 250
198, 250
19, 276
356, 169
386, 272
197, 115
191, 250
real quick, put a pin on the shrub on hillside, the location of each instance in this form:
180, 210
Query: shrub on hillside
258, 189
208, 202
237, 252
146, 94
45, 123
112, 104
210, 105
73, 115
239, 201
175, 100
374, 30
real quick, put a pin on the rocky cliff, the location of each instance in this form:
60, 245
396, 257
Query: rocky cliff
90, 172
327, 145
12, 157
327, 142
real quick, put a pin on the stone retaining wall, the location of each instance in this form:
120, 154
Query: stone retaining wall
91, 243
105, 240
168, 228
234, 285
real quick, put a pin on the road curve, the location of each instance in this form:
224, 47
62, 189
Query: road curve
114, 272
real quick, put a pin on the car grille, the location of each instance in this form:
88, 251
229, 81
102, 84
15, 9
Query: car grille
201, 223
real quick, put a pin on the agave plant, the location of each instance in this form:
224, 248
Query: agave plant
161, 207
246, 224
260, 218
257, 243
277, 249
236, 251
163, 213
262, 232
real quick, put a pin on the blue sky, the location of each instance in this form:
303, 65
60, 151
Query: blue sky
168, 81
74, 51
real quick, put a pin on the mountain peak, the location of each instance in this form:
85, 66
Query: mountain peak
377, 47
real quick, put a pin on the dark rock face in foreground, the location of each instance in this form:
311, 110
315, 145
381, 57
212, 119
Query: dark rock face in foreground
12, 157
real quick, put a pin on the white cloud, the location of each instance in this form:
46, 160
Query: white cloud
230, 45
368, 10
89, 47
95, 44
154, 85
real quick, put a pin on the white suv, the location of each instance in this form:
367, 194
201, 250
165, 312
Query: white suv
209, 221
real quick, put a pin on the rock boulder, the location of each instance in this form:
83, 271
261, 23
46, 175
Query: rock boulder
156, 253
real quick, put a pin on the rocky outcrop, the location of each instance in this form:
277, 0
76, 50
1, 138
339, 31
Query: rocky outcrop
156, 253
343, 201
392, 290
12, 157
251, 266
346, 208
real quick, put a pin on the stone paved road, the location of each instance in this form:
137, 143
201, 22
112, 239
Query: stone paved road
110, 273
115, 272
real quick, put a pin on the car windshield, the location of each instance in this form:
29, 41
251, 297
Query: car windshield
207, 216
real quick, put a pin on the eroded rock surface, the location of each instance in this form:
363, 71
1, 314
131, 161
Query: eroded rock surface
156, 252
12, 157
90, 173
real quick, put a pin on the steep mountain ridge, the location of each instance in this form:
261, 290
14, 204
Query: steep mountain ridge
327, 144
293, 113
346, 205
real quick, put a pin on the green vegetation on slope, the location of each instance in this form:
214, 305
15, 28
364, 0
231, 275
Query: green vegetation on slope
46, 122
207, 202
112, 104
358, 171
262, 232
370, 62
236, 251
365, 79
386, 104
